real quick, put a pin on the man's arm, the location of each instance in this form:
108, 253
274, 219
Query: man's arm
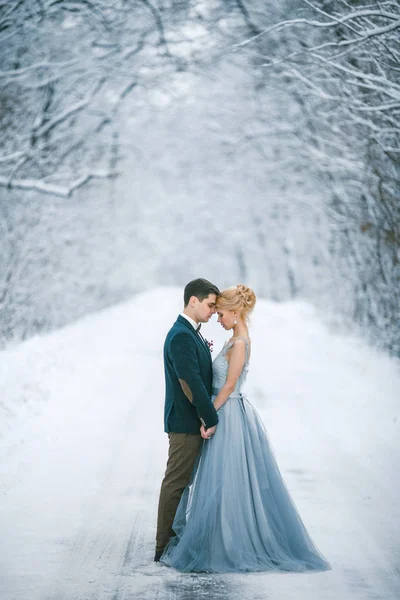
186, 365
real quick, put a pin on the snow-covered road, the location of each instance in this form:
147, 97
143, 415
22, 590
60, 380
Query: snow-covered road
84, 452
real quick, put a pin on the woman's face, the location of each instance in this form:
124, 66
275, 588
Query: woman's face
226, 318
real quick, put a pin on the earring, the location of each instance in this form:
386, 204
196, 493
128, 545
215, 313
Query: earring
235, 320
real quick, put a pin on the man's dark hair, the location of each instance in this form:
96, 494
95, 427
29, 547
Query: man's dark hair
200, 288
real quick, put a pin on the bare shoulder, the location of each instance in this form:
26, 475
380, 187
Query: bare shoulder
240, 347
237, 345
240, 340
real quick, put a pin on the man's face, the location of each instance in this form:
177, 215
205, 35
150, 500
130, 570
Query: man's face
205, 309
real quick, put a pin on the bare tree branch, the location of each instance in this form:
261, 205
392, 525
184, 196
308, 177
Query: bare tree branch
49, 188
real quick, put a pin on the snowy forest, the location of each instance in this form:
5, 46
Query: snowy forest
147, 142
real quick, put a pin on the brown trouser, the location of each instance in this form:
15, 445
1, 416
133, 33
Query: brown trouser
182, 454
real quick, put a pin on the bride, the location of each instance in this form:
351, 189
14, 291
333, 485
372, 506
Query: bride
237, 514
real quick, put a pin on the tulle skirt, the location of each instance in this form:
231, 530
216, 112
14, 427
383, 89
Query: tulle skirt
237, 514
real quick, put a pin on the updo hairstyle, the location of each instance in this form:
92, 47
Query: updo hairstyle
239, 297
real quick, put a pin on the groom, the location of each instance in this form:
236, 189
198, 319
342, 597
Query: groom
188, 405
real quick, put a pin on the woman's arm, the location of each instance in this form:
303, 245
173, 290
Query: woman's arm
236, 363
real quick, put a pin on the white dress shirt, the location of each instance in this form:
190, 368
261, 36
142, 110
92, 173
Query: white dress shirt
191, 321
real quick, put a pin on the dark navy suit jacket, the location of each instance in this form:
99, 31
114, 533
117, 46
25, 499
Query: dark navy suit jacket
187, 357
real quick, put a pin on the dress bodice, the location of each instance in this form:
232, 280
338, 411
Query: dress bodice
220, 369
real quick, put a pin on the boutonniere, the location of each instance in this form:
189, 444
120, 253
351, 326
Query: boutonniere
210, 344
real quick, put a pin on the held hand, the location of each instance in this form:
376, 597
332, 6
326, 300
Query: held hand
207, 433
203, 433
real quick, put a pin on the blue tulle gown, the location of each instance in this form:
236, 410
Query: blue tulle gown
236, 514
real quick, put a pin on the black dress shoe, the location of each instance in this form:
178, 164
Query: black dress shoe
157, 555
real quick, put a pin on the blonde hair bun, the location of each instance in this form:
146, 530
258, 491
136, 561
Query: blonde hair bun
247, 296
239, 297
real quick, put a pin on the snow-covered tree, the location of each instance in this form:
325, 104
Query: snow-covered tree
341, 61
65, 69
